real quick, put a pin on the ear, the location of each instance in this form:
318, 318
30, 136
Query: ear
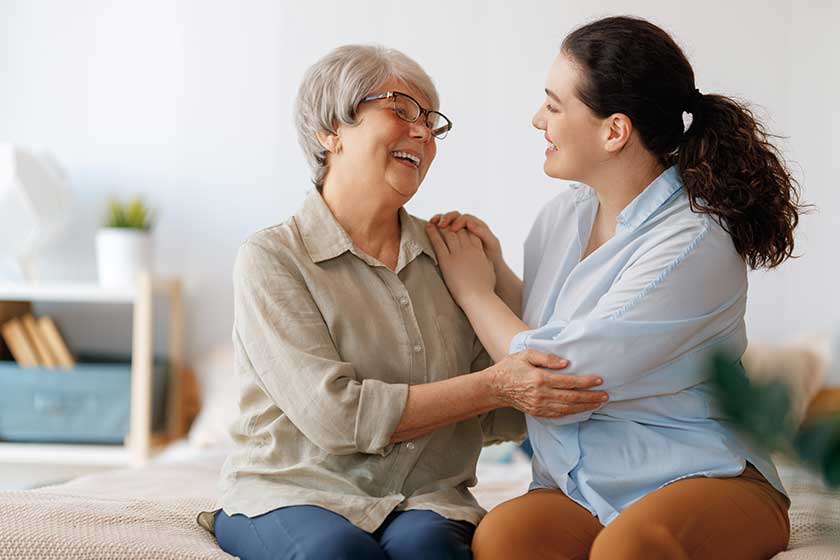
618, 131
330, 141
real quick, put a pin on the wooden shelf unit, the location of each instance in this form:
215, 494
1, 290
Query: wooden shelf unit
141, 443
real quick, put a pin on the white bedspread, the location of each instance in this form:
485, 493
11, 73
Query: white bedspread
138, 514
150, 513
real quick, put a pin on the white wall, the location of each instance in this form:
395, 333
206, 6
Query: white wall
189, 103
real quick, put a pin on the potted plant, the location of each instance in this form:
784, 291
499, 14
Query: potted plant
124, 243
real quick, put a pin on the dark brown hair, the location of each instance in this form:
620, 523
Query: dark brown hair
728, 166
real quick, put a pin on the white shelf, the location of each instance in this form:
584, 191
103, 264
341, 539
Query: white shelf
142, 442
76, 292
69, 454
64, 454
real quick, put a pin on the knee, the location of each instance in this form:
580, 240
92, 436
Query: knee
436, 537
648, 542
499, 535
240, 536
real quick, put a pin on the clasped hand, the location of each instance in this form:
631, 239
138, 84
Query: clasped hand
466, 268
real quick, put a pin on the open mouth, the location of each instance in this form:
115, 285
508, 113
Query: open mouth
552, 147
407, 159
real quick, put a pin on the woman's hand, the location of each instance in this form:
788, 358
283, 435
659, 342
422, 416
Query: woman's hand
520, 381
455, 222
465, 266
508, 284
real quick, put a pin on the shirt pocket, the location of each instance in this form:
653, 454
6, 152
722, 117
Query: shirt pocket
457, 345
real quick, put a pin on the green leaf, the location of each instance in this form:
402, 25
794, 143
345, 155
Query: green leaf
134, 215
761, 411
818, 445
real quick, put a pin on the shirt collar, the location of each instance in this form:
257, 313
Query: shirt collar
650, 200
324, 238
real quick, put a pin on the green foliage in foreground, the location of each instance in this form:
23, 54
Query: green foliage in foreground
763, 412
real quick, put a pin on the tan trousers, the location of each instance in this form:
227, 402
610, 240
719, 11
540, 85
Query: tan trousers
715, 518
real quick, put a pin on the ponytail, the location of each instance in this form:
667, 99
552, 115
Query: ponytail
731, 170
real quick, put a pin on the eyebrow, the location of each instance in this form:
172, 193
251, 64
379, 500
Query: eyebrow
552, 95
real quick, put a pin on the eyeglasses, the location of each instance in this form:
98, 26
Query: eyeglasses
407, 108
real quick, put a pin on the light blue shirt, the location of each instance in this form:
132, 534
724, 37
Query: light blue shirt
643, 311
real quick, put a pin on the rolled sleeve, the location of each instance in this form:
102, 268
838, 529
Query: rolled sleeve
285, 342
380, 409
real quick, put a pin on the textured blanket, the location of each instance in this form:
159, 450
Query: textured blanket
149, 513
138, 514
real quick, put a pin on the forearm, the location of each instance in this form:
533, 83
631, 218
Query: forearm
493, 321
431, 406
508, 287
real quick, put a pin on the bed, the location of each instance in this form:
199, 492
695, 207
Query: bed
149, 513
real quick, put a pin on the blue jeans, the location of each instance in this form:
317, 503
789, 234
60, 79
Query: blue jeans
309, 532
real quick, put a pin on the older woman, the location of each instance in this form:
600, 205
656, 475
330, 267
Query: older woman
365, 394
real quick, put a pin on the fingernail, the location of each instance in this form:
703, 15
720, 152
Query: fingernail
564, 363
605, 397
599, 381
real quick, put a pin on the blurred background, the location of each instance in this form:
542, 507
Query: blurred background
188, 103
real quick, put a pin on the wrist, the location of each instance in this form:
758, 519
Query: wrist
474, 300
499, 264
491, 385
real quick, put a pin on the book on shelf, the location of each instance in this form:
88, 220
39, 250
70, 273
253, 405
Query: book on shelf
36, 343
39, 343
64, 358
19, 344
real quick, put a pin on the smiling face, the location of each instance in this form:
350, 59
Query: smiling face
575, 135
383, 150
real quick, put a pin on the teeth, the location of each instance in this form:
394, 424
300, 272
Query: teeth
551, 146
414, 159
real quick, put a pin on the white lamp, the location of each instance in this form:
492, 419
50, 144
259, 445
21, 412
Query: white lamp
34, 201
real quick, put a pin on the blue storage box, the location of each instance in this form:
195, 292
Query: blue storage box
88, 404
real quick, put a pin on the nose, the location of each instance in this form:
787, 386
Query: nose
538, 121
419, 130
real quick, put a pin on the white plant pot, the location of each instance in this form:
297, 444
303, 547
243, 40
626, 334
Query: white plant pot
121, 255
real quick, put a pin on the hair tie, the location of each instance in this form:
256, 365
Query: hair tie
691, 104
693, 101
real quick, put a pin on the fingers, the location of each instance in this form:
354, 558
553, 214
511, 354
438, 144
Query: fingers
572, 396
459, 222
453, 243
563, 381
556, 409
470, 222
438, 244
464, 238
448, 218
453, 239
541, 359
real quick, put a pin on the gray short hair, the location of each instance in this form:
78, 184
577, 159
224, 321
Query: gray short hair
332, 87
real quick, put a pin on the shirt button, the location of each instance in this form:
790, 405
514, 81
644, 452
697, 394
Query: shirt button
418, 348
410, 446
403, 301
